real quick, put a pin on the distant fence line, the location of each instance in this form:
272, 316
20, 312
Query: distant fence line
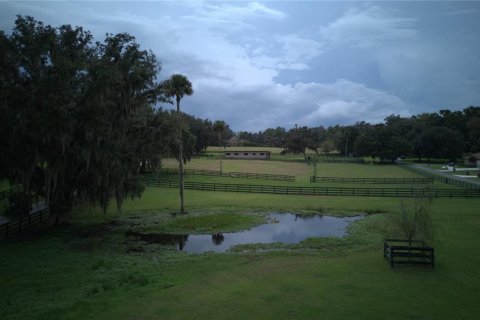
207, 155
340, 159
315, 158
5, 194
323, 191
441, 178
248, 175
293, 158
373, 180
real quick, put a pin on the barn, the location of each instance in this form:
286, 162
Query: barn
473, 160
252, 155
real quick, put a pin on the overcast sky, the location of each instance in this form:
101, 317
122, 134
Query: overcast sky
280, 63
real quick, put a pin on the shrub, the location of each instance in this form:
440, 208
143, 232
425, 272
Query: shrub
414, 222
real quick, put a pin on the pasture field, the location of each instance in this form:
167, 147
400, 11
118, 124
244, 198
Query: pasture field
90, 269
300, 170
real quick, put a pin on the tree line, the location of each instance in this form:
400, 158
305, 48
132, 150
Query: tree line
80, 123
78, 117
446, 134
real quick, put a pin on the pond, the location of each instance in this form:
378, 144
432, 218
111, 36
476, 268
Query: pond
281, 227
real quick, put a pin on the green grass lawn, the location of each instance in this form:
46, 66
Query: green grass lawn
86, 270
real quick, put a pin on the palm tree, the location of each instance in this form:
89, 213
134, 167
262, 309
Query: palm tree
219, 128
178, 86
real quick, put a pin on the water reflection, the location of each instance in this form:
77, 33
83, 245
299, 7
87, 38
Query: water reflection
217, 238
285, 228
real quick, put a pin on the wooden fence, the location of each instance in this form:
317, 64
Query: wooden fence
22, 223
372, 180
322, 191
441, 178
402, 252
5, 194
293, 158
340, 160
248, 175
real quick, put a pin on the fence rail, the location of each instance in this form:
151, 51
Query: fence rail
340, 160
248, 175
5, 194
408, 252
323, 191
442, 178
373, 180
21, 223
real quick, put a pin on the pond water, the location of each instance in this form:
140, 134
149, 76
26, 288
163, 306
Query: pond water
282, 227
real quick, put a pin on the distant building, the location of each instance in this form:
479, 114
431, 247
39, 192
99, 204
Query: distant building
253, 155
477, 156
473, 160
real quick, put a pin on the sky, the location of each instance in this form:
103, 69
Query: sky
265, 64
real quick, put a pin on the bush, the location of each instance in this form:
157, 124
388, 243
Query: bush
414, 222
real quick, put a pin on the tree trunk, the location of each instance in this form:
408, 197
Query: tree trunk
180, 158
220, 154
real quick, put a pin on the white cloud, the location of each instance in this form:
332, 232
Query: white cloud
231, 18
347, 101
253, 9
235, 53
297, 48
271, 104
368, 27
